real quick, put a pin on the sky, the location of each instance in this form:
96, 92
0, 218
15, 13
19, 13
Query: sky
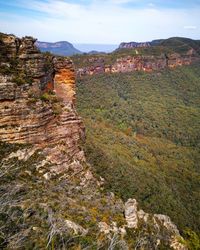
100, 21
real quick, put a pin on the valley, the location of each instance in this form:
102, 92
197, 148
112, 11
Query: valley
83, 155
143, 137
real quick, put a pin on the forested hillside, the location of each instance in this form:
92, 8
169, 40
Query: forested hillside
143, 138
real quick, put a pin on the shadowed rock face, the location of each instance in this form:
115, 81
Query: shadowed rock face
41, 112
146, 63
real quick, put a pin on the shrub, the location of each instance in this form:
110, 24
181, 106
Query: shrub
18, 80
192, 239
57, 108
49, 97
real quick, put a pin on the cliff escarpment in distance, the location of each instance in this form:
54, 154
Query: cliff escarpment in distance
49, 196
177, 43
128, 45
147, 57
61, 48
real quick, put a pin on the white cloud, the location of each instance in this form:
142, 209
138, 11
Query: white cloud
190, 27
99, 22
151, 4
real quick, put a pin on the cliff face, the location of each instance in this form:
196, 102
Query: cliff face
40, 112
134, 45
146, 63
48, 194
64, 81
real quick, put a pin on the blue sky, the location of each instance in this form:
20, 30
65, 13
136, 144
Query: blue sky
100, 21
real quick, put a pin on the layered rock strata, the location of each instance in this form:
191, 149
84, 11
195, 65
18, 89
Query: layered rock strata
138, 63
40, 112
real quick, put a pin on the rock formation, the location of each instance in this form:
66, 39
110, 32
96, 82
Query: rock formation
39, 112
48, 194
160, 222
146, 63
134, 45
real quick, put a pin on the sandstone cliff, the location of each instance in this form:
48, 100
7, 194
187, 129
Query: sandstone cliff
41, 111
49, 197
148, 63
134, 45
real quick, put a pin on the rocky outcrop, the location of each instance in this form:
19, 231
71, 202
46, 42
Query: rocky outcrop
162, 224
64, 79
134, 45
152, 228
21, 59
146, 63
131, 213
40, 112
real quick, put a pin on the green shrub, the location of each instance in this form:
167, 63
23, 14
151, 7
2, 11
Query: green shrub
18, 80
48, 62
5, 70
57, 108
192, 239
49, 97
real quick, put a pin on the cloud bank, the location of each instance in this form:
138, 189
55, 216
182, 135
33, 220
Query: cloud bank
98, 21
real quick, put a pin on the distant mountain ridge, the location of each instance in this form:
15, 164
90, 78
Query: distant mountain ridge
64, 48
134, 45
180, 43
61, 48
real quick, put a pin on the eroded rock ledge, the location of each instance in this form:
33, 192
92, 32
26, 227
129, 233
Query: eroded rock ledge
147, 63
37, 96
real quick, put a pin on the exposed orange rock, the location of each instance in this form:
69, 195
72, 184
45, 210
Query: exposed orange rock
29, 114
64, 79
138, 63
